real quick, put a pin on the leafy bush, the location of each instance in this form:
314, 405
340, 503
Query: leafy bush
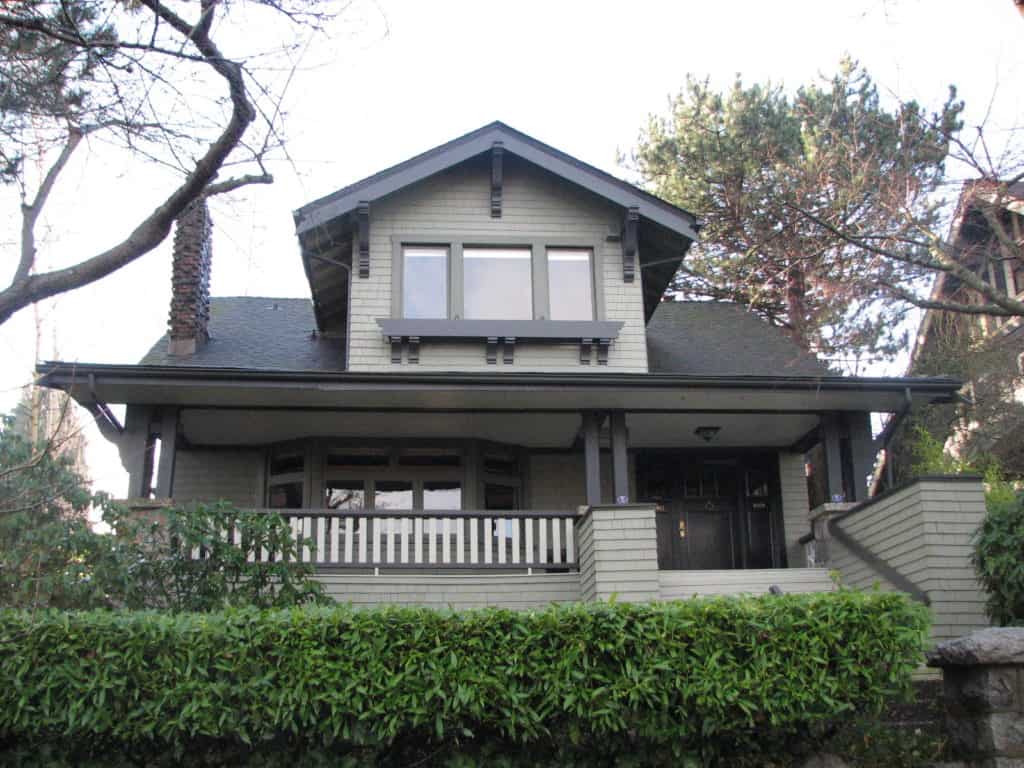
153, 564
661, 681
999, 558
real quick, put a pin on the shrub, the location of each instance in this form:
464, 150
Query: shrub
999, 558
152, 563
701, 677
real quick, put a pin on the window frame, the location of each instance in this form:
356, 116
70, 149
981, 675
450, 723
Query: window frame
539, 262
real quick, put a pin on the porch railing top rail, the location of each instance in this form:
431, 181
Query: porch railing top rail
423, 513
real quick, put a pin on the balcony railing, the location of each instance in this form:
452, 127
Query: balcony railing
434, 539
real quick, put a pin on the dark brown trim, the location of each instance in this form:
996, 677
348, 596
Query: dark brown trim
629, 244
497, 151
363, 227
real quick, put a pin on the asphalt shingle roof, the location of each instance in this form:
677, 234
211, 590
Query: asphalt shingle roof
707, 338
697, 338
259, 333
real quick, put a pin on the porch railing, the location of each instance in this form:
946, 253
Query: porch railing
433, 539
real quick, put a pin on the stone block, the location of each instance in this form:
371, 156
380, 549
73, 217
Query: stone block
978, 690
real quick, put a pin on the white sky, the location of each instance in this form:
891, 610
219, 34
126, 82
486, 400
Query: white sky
582, 76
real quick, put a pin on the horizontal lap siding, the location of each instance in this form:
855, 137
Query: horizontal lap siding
536, 205
924, 532
681, 585
520, 592
795, 506
210, 475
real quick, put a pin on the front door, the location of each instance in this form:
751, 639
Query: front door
713, 513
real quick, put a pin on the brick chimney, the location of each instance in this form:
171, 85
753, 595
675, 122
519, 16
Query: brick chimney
190, 280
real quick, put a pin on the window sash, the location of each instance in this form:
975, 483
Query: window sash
425, 294
570, 295
497, 283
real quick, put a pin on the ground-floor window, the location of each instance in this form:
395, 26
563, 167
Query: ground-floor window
714, 510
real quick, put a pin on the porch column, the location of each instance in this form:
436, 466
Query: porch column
620, 457
135, 449
168, 453
592, 455
830, 437
862, 453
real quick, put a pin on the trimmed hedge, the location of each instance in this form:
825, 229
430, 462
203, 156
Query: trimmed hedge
700, 677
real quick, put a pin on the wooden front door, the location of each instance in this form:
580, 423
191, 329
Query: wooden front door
714, 513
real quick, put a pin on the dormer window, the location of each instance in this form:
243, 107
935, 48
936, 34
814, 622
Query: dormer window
497, 283
571, 283
425, 282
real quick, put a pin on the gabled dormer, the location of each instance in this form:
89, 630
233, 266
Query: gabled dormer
491, 250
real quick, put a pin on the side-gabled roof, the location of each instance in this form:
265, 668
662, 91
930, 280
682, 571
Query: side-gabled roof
477, 142
713, 338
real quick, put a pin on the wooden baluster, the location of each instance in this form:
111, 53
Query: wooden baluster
542, 523
403, 542
321, 538
515, 540
570, 540
474, 543
307, 532
392, 525
418, 541
364, 534
502, 533
530, 556
431, 526
296, 525
445, 536
460, 539
375, 522
349, 534
488, 539
335, 523
556, 540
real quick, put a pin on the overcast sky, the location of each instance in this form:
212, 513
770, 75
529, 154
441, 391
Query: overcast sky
400, 76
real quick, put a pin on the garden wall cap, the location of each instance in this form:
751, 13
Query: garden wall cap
995, 645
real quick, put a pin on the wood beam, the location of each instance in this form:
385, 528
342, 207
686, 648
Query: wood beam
630, 246
363, 227
862, 453
831, 434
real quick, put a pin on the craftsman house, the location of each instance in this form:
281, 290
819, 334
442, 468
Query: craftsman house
486, 398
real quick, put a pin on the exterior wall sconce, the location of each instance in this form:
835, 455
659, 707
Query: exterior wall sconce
707, 434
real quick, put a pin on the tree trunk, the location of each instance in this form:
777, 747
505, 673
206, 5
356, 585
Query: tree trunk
796, 305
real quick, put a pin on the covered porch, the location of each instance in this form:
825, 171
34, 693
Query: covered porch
474, 476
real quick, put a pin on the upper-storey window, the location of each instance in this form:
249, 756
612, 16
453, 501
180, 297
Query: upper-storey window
497, 283
425, 282
571, 283
507, 281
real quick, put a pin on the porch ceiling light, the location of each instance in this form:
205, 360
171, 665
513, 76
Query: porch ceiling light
707, 434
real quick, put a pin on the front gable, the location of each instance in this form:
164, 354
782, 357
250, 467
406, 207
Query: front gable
492, 250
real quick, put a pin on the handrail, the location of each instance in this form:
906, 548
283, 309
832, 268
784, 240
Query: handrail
419, 513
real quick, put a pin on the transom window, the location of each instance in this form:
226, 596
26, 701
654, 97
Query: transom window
481, 281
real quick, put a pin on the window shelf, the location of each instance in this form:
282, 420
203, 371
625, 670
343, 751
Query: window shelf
406, 335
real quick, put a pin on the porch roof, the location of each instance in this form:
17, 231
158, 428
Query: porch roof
222, 387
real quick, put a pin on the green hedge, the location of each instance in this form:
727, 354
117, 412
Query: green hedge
701, 677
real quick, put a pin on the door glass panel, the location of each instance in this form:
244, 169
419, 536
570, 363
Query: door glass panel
392, 494
442, 494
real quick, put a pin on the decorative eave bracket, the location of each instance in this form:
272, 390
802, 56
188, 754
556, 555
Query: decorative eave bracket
363, 229
629, 244
497, 175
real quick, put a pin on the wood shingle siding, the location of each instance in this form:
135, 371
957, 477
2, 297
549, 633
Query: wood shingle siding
536, 205
795, 506
235, 475
516, 591
680, 585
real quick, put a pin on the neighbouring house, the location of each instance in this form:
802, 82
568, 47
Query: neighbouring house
487, 400
985, 351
